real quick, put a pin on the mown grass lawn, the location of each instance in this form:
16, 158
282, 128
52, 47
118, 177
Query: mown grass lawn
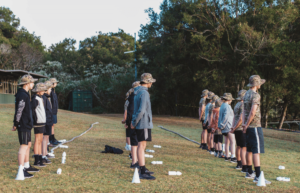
88, 170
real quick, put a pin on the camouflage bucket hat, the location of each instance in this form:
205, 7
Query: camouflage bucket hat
27, 79
204, 93
48, 84
210, 95
215, 98
241, 95
147, 78
227, 96
53, 80
218, 102
255, 80
39, 87
135, 84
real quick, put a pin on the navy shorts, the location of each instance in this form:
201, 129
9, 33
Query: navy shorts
24, 137
240, 138
54, 119
218, 138
255, 140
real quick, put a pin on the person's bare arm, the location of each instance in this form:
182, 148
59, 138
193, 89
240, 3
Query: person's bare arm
125, 117
250, 118
201, 111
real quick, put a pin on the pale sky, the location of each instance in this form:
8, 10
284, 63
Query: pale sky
56, 20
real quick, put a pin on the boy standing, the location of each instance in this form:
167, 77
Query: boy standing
206, 140
209, 128
218, 137
24, 123
142, 121
202, 105
39, 121
54, 102
252, 127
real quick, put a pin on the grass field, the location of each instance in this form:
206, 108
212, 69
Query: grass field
88, 170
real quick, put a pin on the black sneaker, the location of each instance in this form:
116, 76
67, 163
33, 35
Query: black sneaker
136, 165
39, 164
201, 146
233, 160
250, 176
49, 156
146, 177
238, 167
27, 175
54, 142
46, 161
227, 159
148, 172
245, 171
31, 169
205, 148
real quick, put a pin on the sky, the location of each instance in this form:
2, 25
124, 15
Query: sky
56, 20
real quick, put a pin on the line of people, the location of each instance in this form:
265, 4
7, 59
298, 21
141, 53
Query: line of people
241, 127
38, 111
138, 123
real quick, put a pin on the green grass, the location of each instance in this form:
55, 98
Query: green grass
88, 170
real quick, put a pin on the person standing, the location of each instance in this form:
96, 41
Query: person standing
252, 127
23, 122
237, 129
207, 107
225, 124
209, 127
218, 137
54, 102
202, 105
142, 121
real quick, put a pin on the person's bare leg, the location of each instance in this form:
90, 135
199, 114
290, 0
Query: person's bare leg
238, 153
227, 146
220, 146
249, 158
256, 160
202, 137
38, 144
128, 140
232, 144
141, 152
208, 140
134, 154
45, 145
27, 152
205, 136
23, 150
212, 140
52, 129
243, 156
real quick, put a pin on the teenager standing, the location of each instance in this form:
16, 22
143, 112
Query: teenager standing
54, 102
142, 121
202, 105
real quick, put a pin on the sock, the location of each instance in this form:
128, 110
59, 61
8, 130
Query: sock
257, 171
250, 171
239, 163
232, 156
54, 137
220, 151
212, 149
143, 169
26, 165
50, 137
244, 167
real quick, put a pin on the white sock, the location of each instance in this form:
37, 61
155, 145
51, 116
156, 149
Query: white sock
232, 156
26, 165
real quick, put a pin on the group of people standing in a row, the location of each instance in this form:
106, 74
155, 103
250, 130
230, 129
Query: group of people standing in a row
38, 111
241, 126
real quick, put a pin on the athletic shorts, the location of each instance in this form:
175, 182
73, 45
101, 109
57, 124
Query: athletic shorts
204, 126
255, 140
128, 132
240, 138
54, 119
208, 130
48, 130
225, 134
24, 137
218, 138
133, 138
143, 135
39, 130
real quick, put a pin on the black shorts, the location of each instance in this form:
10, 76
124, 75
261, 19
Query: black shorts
204, 126
225, 134
255, 140
143, 135
208, 130
24, 137
133, 138
128, 132
39, 130
240, 138
128, 123
48, 130
218, 138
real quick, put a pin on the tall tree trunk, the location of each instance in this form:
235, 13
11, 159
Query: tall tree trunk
283, 114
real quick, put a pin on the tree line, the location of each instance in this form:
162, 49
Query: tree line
188, 47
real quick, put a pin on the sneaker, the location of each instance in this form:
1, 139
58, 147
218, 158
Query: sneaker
39, 164
27, 175
148, 172
136, 165
49, 156
238, 167
216, 154
256, 180
54, 142
250, 176
31, 169
233, 160
146, 177
205, 147
201, 146
46, 161
221, 155
212, 153
244, 171
227, 159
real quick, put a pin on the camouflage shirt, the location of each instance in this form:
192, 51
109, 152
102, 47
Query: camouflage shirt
252, 98
211, 107
126, 105
238, 111
202, 102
